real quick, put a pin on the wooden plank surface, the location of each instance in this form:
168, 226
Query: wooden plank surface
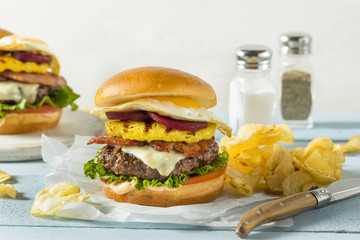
335, 221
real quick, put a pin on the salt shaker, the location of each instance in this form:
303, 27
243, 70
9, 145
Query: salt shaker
252, 93
296, 81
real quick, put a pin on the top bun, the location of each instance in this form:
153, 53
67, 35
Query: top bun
150, 82
4, 33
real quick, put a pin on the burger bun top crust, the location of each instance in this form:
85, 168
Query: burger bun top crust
4, 32
148, 82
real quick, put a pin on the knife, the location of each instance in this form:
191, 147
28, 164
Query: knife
293, 204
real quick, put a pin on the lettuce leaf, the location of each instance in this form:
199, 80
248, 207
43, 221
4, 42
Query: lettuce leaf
94, 170
58, 97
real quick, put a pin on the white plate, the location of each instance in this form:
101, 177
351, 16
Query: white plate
27, 146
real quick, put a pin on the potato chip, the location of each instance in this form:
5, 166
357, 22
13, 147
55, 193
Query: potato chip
320, 142
320, 177
267, 151
253, 162
264, 152
251, 136
322, 161
50, 200
295, 182
283, 170
240, 165
326, 162
352, 145
280, 155
4, 176
250, 159
243, 183
299, 153
278, 167
8, 189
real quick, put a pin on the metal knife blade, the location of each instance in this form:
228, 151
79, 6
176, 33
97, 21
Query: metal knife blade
290, 205
344, 189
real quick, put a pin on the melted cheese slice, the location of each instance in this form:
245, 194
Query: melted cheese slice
164, 162
16, 91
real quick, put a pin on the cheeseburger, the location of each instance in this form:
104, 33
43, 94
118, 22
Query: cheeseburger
32, 93
160, 148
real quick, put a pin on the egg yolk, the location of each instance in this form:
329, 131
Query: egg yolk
186, 102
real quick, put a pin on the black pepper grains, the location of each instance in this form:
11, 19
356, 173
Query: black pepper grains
296, 99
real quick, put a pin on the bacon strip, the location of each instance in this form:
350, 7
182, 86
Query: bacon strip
189, 149
48, 79
194, 149
2, 78
107, 139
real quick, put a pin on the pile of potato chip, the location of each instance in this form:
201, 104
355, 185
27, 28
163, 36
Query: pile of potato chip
256, 160
6, 189
50, 200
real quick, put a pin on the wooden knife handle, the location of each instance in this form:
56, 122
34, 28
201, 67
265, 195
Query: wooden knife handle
273, 210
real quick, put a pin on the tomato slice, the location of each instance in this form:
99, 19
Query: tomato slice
207, 177
46, 108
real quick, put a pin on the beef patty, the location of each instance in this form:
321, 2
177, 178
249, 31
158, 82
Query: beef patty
119, 162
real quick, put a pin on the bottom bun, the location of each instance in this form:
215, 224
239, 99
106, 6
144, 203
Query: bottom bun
189, 194
28, 122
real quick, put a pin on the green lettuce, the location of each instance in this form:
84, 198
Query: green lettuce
94, 170
58, 97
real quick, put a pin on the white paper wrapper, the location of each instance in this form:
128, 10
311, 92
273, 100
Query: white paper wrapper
225, 211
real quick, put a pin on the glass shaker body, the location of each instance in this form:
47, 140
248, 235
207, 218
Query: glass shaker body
296, 90
252, 98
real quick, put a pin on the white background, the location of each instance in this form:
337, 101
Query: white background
95, 39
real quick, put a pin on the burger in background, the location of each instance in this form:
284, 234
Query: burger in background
160, 148
32, 94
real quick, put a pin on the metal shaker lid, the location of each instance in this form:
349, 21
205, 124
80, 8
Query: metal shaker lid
295, 43
253, 57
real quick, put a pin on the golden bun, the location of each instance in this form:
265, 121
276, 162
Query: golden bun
189, 194
28, 122
148, 82
4, 33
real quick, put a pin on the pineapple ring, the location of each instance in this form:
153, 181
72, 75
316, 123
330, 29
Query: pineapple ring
141, 131
14, 65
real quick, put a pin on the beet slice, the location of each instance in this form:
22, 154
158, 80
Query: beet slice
31, 57
135, 116
178, 124
2, 53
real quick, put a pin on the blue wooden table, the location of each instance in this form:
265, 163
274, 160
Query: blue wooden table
340, 220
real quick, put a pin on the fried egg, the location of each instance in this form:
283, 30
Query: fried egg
171, 110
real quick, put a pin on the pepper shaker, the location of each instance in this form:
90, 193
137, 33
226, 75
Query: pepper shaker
296, 96
252, 93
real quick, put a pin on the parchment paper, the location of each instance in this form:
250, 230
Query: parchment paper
225, 211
